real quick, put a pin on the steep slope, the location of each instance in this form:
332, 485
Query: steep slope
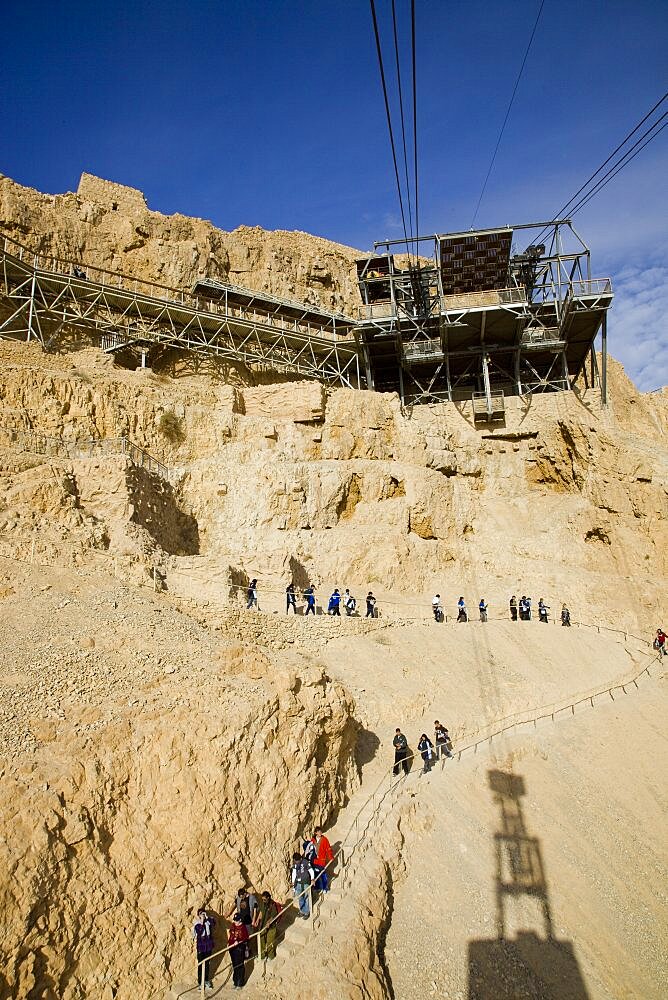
541, 870
160, 744
148, 763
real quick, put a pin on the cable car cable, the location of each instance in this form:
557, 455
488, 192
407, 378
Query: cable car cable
620, 165
565, 207
401, 112
387, 112
415, 143
505, 120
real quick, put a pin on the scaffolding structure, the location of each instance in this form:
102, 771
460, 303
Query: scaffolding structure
478, 319
475, 318
46, 298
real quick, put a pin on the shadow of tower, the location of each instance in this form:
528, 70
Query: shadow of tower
525, 960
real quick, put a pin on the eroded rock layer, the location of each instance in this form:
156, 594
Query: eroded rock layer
160, 744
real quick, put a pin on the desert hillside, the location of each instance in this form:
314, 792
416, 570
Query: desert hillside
160, 744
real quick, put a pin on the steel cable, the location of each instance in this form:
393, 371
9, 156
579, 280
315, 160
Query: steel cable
623, 162
387, 112
505, 120
401, 113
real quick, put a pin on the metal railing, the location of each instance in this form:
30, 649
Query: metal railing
41, 444
419, 350
489, 297
590, 286
63, 267
489, 404
538, 336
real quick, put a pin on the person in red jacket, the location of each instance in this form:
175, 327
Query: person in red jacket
323, 855
660, 641
237, 941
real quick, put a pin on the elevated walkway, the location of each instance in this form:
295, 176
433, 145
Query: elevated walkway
43, 297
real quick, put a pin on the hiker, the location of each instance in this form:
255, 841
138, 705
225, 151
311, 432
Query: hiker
527, 605
302, 876
442, 737
523, 608
252, 596
349, 603
334, 602
237, 941
266, 922
462, 615
245, 904
309, 594
437, 608
426, 748
565, 616
543, 609
290, 598
203, 937
309, 851
400, 744
77, 272
513, 608
482, 608
324, 855
660, 642
370, 605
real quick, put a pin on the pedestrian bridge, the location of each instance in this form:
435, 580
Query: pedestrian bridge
45, 299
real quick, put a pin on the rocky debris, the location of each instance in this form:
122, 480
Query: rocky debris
148, 757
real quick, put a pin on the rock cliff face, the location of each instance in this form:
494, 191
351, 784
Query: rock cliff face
158, 744
110, 226
156, 765
343, 488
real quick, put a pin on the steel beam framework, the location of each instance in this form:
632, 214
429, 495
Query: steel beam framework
45, 298
535, 335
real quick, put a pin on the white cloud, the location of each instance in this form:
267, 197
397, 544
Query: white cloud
638, 321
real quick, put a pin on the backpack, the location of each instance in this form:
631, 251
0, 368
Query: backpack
309, 850
302, 872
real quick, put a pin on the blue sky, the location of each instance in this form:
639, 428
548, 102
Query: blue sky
271, 114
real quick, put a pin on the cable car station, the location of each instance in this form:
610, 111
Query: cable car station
487, 315
477, 315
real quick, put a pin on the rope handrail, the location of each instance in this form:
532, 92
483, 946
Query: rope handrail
449, 619
544, 712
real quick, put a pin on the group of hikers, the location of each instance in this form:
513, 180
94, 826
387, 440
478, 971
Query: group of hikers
519, 610
258, 914
309, 869
336, 601
429, 750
